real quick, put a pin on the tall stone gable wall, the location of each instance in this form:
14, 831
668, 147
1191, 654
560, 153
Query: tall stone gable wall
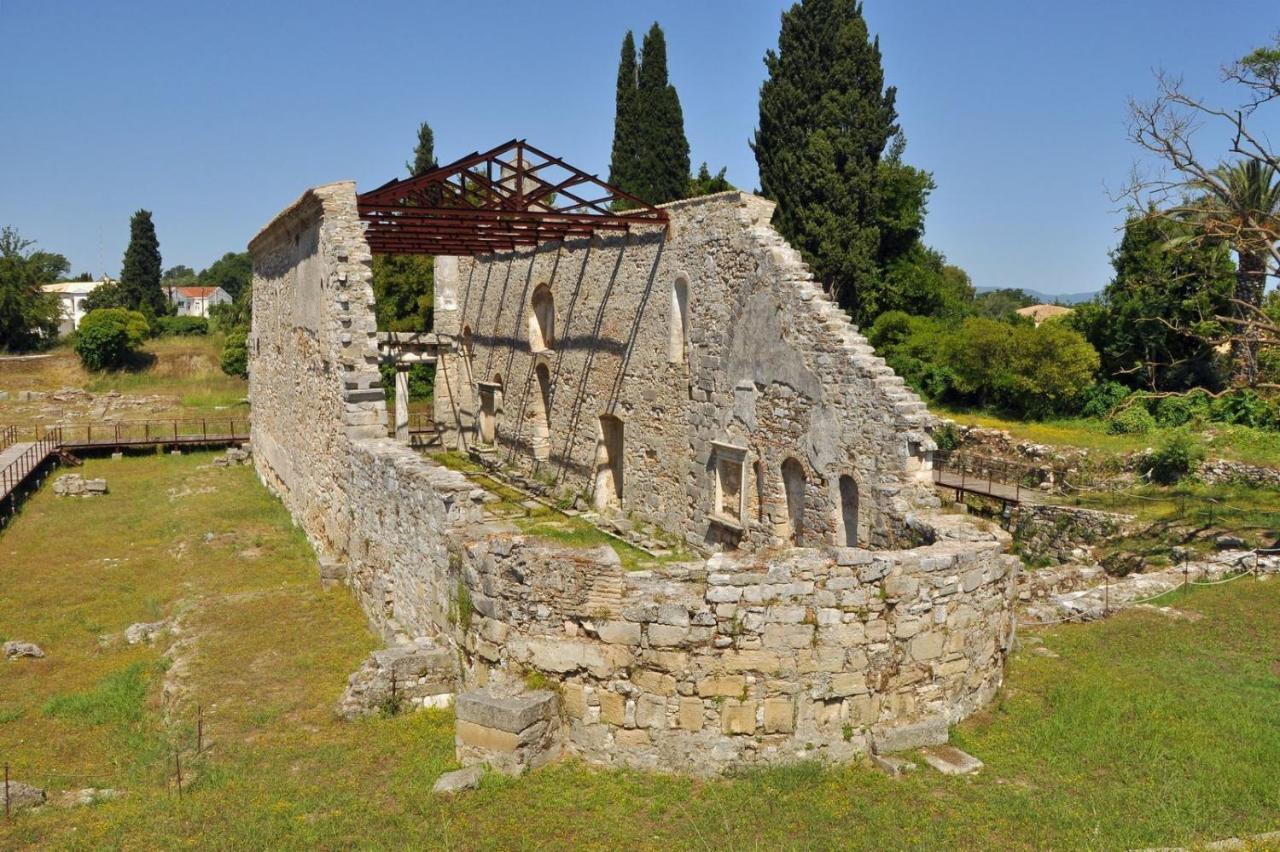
771, 365
696, 667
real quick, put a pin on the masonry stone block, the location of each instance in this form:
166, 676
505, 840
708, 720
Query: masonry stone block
738, 717
779, 716
691, 714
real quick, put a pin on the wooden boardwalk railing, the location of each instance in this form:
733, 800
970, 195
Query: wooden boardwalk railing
24, 450
984, 477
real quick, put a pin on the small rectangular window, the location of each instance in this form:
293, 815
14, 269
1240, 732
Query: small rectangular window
729, 465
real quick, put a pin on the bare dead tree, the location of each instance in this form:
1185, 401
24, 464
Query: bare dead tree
1232, 197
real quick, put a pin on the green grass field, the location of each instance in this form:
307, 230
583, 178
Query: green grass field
1238, 443
1145, 731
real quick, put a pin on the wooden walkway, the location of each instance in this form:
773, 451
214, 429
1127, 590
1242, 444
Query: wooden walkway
17, 462
984, 486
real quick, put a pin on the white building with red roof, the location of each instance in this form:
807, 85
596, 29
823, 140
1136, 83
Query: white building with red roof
196, 301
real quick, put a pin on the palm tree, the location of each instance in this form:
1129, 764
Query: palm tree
1240, 203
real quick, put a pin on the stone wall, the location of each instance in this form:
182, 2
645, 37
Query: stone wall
742, 658
759, 367
1062, 533
1221, 471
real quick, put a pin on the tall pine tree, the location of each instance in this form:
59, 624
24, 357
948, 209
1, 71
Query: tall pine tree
404, 285
622, 163
825, 118
140, 273
663, 149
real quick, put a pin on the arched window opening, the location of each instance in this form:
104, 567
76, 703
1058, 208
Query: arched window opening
793, 484
542, 319
542, 414
678, 346
609, 467
848, 512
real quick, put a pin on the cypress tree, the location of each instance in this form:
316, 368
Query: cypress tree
140, 272
622, 163
663, 150
424, 153
825, 118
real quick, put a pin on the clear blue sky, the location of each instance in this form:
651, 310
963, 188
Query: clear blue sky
216, 115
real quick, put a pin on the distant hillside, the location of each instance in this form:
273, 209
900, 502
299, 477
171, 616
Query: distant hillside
1049, 298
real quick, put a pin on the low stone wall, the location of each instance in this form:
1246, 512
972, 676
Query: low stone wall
738, 659
1062, 533
1221, 471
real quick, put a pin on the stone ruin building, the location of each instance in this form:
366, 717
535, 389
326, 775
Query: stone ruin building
675, 366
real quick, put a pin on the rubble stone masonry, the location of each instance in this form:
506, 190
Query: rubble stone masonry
760, 653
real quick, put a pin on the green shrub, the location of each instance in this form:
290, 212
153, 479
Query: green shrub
235, 353
1244, 408
947, 438
1178, 456
1027, 371
108, 337
180, 326
1131, 420
1102, 398
1181, 410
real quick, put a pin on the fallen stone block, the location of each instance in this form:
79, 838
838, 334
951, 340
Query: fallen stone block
467, 778
930, 732
24, 796
75, 485
950, 760
13, 650
891, 764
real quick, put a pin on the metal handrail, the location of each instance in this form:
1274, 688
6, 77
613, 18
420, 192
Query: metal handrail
158, 431
21, 467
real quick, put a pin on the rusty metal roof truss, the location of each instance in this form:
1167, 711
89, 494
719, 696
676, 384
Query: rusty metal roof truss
514, 195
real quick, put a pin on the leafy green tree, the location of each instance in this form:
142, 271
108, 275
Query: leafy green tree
403, 285
825, 118
624, 161
178, 276
424, 153
904, 197
232, 272
1018, 368
29, 317
663, 156
140, 272
705, 183
1152, 323
107, 295
1001, 303
403, 291
920, 281
109, 337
